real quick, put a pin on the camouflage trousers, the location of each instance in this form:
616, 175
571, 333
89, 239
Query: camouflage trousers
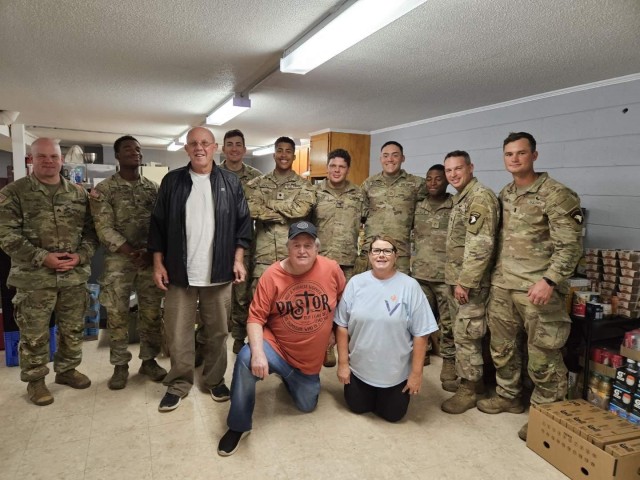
511, 315
348, 271
117, 285
437, 293
32, 310
469, 327
403, 264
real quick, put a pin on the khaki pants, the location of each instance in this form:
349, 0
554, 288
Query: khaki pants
180, 307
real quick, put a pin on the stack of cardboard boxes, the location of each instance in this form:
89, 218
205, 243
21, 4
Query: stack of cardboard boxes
584, 441
629, 284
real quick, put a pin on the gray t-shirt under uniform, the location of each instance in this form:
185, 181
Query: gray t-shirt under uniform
382, 317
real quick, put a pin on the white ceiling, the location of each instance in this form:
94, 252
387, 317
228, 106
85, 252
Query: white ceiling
152, 68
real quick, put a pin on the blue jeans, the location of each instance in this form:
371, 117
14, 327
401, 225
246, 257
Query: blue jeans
304, 389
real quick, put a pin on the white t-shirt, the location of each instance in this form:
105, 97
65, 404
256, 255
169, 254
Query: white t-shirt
200, 227
382, 317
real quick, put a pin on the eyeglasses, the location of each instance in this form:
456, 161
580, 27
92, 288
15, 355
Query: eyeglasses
204, 144
387, 252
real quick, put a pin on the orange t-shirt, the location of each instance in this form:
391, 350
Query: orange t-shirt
296, 311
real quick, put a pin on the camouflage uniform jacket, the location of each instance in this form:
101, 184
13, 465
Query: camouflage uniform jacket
34, 224
275, 202
430, 239
389, 207
541, 235
337, 215
122, 211
471, 236
245, 174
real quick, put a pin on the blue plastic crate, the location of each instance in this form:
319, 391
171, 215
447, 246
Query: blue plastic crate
11, 354
12, 341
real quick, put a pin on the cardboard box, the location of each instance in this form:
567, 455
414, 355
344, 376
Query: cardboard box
592, 252
629, 297
629, 353
623, 312
601, 369
634, 265
622, 449
629, 289
609, 254
631, 255
631, 281
575, 456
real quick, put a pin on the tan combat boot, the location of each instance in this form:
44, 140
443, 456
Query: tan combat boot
39, 393
448, 371
452, 386
522, 433
329, 358
464, 399
73, 378
500, 404
119, 378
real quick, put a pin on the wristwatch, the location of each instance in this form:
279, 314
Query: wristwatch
550, 282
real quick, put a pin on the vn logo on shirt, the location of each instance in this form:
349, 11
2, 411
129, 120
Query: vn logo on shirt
393, 305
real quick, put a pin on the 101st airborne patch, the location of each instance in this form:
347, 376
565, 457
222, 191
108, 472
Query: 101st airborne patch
577, 215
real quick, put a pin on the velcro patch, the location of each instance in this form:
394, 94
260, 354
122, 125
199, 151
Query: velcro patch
577, 216
474, 217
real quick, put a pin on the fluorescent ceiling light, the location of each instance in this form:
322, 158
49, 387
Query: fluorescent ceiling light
264, 151
183, 138
228, 110
354, 22
175, 146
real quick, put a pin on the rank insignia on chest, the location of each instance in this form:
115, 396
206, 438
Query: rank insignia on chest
474, 217
577, 216
339, 204
280, 196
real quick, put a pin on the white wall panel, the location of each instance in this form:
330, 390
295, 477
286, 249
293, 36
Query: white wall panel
584, 139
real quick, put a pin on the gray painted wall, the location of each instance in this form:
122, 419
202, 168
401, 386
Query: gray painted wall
584, 141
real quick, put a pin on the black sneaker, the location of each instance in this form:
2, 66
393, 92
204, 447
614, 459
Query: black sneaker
220, 393
169, 402
230, 442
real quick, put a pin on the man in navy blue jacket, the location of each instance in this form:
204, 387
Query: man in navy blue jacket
200, 227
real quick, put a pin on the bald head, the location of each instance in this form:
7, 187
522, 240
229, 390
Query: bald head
47, 160
45, 143
201, 146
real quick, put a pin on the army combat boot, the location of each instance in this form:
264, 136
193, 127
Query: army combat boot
448, 371
39, 393
522, 433
464, 399
500, 404
73, 378
119, 378
151, 369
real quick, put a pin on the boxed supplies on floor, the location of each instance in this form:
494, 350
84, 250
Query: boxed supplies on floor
585, 442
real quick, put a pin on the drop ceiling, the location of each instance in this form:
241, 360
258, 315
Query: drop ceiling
89, 71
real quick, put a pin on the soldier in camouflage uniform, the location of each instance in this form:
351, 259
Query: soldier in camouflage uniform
234, 149
471, 236
121, 207
338, 216
431, 220
539, 247
390, 200
277, 200
46, 229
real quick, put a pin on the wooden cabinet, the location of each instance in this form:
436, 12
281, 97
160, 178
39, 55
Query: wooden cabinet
301, 163
358, 145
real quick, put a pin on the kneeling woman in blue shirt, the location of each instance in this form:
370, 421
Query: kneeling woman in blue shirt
383, 324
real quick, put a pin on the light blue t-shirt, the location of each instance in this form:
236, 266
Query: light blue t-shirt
382, 317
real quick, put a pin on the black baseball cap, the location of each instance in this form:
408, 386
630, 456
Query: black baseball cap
302, 227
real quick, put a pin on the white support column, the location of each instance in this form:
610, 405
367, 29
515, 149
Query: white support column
18, 144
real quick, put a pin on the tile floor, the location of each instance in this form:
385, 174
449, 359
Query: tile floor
102, 434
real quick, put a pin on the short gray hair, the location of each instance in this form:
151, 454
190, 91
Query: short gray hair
317, 242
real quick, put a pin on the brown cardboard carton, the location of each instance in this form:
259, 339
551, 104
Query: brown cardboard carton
576, 457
